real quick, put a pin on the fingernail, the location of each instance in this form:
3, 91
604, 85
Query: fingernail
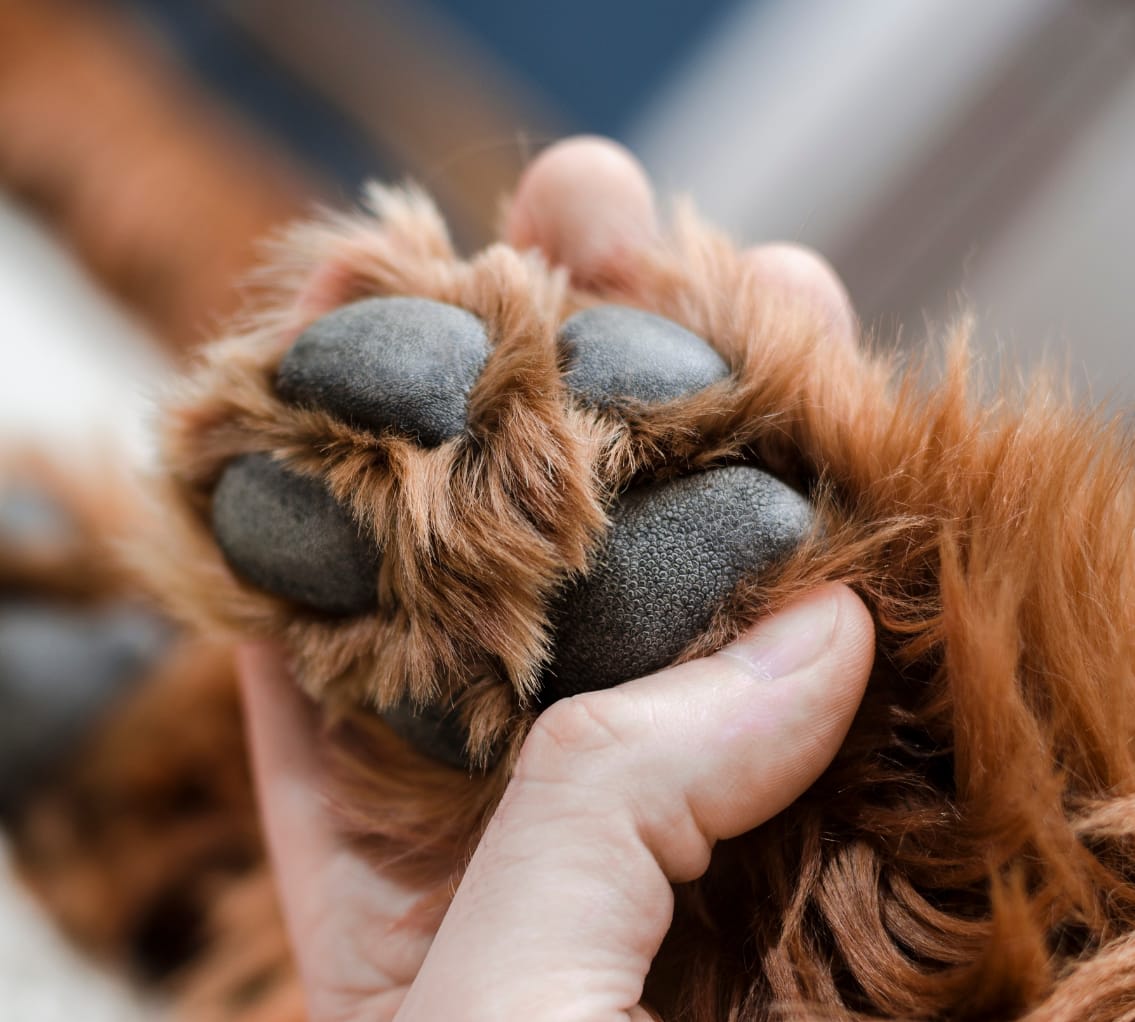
791, 639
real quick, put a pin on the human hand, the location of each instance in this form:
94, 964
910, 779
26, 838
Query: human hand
617, 793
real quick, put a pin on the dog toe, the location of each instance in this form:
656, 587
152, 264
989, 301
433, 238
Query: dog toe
286, 533
614, 351
398, 363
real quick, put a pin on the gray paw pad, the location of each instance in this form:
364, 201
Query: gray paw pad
431, 731
29, 516
405, 364
675, 550
60, 667
285, 533
614, 351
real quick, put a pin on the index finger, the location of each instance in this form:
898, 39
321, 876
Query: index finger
345, 919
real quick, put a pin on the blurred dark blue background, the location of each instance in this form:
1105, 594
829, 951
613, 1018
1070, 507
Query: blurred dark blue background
593, 64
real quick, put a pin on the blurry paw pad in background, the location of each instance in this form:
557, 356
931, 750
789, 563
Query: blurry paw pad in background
63, 662
61, 667
28, 517
675, 550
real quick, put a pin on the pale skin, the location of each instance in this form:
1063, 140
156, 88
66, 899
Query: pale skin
617, 795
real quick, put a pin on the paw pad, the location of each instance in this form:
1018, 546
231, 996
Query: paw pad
60, 668
63, 661
286, 533
676, 549
429, 730
618, 352
405, 364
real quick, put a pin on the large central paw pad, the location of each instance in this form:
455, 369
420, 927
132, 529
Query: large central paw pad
675, 547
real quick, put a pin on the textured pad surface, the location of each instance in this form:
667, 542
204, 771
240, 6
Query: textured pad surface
389, 363
59, 667
614, 351
675, 550
285, 533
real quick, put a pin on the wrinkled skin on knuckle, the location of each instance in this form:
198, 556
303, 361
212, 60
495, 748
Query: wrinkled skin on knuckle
592, 734
606, 751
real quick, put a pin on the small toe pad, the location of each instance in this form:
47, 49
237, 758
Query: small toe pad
614, 351
286, 533
431, 731
405, 364
676, 549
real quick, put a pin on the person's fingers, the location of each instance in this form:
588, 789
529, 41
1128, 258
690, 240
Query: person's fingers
586, 204
619, 793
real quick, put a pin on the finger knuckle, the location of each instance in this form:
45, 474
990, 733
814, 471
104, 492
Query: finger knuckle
582, 733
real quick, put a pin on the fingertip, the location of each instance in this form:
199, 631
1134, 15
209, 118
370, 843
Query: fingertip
821, 701
809, 279
843, 674
586, 203
807, 668
854, 633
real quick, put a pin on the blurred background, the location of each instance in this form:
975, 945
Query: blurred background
942, 155
939, 154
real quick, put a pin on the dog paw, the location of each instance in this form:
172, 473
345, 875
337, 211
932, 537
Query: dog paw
401, 370
459, 491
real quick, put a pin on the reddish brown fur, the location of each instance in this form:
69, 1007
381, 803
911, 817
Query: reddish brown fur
76, 562
969, 855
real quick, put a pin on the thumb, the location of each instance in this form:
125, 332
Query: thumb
618, 794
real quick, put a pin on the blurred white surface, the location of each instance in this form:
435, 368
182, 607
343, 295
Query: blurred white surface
76, 371
1060, 281
797, 114
42, 979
